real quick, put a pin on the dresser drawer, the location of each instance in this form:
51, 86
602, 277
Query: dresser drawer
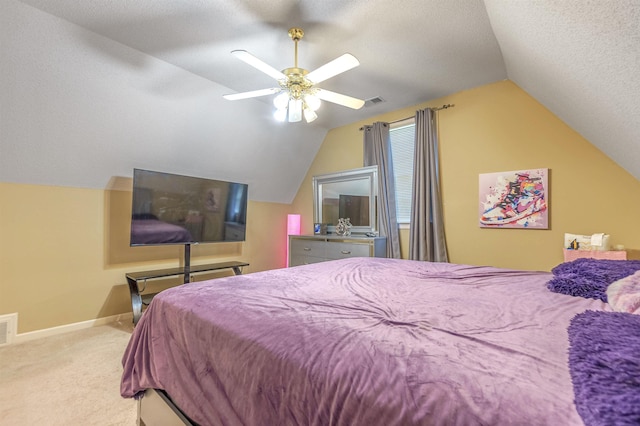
297, 260
303, 247
336, 250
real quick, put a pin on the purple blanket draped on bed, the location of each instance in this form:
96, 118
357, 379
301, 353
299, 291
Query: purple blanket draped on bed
361, 342
590, 277
604, 360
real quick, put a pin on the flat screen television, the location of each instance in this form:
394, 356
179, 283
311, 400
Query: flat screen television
175, 209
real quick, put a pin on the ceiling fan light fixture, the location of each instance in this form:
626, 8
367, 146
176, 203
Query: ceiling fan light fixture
281, 101
248, 58
295, 110
280, 115
297, 95
333, 68
252, 94
309, 115
344, 100
312, 101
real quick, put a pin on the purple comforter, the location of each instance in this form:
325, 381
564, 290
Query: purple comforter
361, 342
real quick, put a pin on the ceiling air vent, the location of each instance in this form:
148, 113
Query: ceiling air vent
373, 101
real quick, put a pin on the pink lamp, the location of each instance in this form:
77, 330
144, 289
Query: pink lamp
293, 228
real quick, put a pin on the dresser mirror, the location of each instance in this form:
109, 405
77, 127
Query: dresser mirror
348, 194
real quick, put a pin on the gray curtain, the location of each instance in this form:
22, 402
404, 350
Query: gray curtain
426, 230
377, 151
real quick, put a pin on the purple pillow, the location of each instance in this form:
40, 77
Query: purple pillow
589, 278
604, 362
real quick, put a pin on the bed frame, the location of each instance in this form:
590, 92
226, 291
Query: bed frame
156, 408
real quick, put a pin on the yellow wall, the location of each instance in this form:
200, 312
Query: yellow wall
494, 128
64, 252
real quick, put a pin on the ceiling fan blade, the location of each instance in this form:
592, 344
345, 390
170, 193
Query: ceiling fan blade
247, 57
252, 94
339, 99
335, 67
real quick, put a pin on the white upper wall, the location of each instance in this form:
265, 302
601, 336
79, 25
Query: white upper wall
69, 117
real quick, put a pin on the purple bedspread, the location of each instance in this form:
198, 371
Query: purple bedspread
361, 342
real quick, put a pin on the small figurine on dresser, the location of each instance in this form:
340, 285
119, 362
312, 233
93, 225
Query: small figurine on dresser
343, 228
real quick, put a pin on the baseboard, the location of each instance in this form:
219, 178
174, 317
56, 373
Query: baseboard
61, 329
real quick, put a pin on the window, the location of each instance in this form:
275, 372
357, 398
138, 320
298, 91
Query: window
402, 136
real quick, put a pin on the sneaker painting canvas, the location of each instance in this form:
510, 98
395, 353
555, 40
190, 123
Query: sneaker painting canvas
516, 199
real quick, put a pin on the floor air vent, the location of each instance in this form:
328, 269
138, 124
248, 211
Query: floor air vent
8, 325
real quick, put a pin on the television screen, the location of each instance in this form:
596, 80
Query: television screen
175, 209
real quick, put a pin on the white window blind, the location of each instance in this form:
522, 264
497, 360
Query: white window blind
402, 147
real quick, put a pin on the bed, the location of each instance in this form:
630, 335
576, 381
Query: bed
153, 231
361, 341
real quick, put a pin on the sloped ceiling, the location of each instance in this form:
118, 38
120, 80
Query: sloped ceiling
578, 58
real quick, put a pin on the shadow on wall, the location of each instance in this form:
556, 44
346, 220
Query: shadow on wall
117, 298
633, 254
118, 252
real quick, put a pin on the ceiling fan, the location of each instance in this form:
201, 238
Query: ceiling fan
297, 91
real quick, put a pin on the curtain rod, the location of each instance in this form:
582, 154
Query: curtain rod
406, 118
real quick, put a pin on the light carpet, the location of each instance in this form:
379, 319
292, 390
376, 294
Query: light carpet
68, 379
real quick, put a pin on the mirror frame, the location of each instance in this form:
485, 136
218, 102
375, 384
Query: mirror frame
365, 173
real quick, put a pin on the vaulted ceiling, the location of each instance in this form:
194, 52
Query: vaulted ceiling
580, 59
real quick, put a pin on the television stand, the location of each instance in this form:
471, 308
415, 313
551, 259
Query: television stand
138, 299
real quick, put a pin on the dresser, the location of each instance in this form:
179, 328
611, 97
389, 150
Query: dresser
305, 249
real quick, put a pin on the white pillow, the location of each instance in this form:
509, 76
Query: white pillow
624, 295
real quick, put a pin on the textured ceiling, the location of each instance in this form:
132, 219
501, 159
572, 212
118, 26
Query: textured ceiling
579, 58
409, 54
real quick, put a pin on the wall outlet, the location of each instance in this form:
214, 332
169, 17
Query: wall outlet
8, 328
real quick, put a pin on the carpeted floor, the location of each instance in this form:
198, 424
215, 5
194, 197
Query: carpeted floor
69, 379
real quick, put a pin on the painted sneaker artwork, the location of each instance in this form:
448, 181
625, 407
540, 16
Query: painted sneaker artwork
514, 201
